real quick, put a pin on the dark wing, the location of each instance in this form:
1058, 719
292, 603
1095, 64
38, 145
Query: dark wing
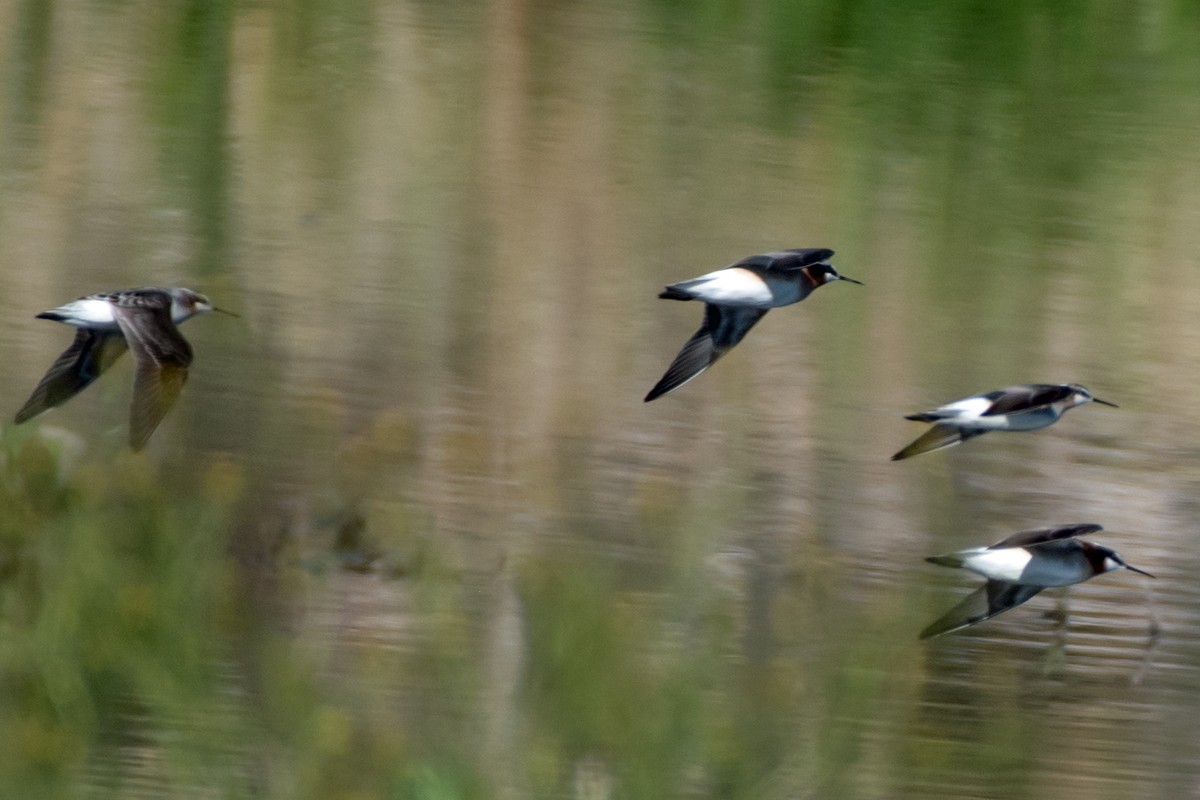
162, 355
949, 411
1016, 399
760, 261
1043, 535
787, 260
724, 326
811, 255
86, 359
140, 298
939, 437
994, 597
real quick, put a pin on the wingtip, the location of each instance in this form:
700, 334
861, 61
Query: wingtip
669, 384
139, 438
33, 407
664, 388
943, 625
926, 635
939, 627
657, 392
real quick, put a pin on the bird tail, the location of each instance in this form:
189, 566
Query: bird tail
671, 293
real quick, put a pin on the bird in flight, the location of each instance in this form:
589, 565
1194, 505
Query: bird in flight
140, 320
1019, 567
736, 298
1026, 407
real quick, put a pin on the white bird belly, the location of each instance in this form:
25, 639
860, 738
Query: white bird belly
969, 413
1005, 564
88, 313
970, 407
735, 286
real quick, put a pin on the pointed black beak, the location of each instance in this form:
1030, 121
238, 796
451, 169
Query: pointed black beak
1138, 571
1103, 402
223, 311
851, 280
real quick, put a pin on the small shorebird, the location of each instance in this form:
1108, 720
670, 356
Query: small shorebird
736, 298
141, 320
1026, 407
1019, 567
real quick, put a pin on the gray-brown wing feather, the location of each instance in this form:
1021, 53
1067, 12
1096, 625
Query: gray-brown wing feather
155, 390
90, 354
787, 260
723, 327
939, 437
1043, 535
1016, 399
163, 356
994, 597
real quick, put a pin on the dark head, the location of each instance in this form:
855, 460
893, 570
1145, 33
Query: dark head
821, 274
1081, 395
1105, 559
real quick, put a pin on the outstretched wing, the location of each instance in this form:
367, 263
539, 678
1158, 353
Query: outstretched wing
162, 355
1043, 535
939, 437
994, 597
86, 359
1016, 399
724, 326
787, 260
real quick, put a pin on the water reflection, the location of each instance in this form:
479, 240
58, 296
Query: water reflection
444, 230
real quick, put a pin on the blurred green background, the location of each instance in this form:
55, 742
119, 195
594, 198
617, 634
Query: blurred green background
411, 532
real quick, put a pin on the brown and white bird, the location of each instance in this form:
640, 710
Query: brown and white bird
141, 320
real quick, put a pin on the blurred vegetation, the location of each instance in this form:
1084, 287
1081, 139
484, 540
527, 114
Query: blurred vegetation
136, 655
